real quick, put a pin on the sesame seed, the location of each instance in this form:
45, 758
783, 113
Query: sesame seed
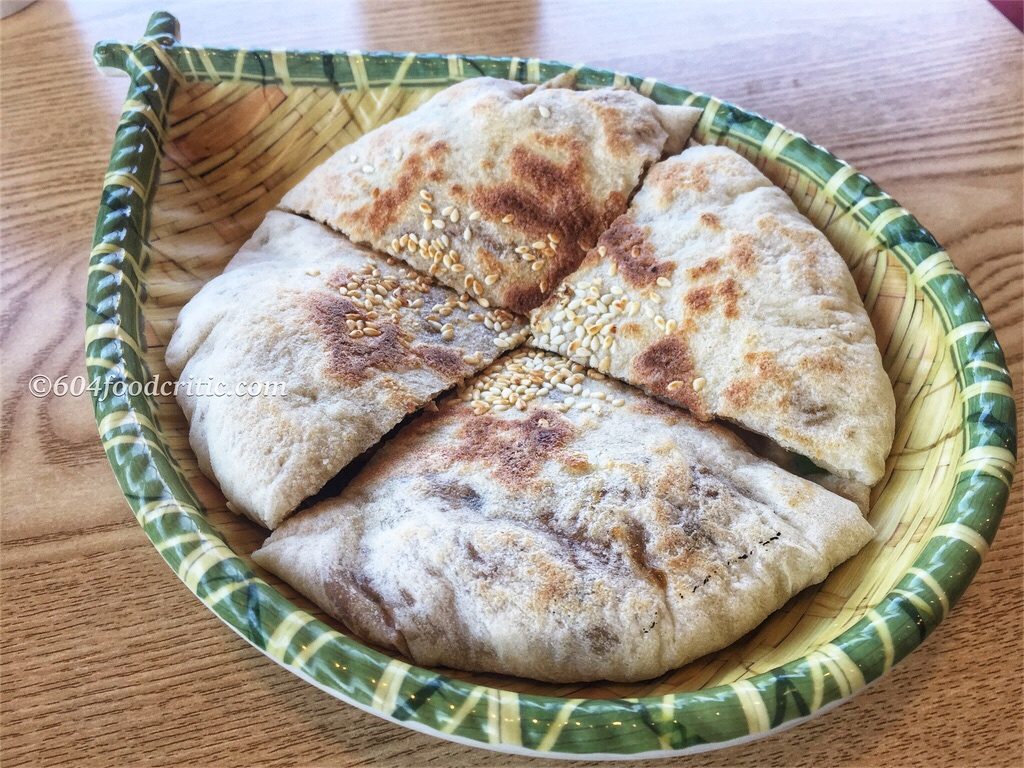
544, 111
664, 282
674, 385
438, 223
312, 272
698, 383
466, 234
371, 331
426, 195
448, 335
508, 218
454, 215
356, 334
474, 215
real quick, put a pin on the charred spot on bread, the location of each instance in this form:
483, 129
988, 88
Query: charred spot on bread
545, 197
741, 252
666, 369
701, 299
670, 177
523, 299
705, 269
387, 207
634, 537
710, 220
457, 494
730, 292
698, 300
354, 359
447, 361
513, 450
627, 246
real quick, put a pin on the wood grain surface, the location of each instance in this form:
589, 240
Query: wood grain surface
108, 660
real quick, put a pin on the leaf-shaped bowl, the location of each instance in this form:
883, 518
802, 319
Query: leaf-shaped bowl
210, 139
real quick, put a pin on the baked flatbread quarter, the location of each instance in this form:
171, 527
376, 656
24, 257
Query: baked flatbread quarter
495, 187
339, 344
553, 525
714, 293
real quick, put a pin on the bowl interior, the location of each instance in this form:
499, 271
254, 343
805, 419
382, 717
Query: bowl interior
231, 151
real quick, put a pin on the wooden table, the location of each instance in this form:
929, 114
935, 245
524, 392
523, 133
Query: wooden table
107, 659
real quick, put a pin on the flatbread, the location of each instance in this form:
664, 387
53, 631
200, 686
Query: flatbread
547, 524
493, 186
294, 309
714, 293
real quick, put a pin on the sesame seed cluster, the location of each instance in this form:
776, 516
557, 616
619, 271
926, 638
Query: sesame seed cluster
525, 376
443, 250
538, 252
584, 323
380, 297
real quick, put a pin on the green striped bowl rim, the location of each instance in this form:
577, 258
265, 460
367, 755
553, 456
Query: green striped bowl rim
172, 517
